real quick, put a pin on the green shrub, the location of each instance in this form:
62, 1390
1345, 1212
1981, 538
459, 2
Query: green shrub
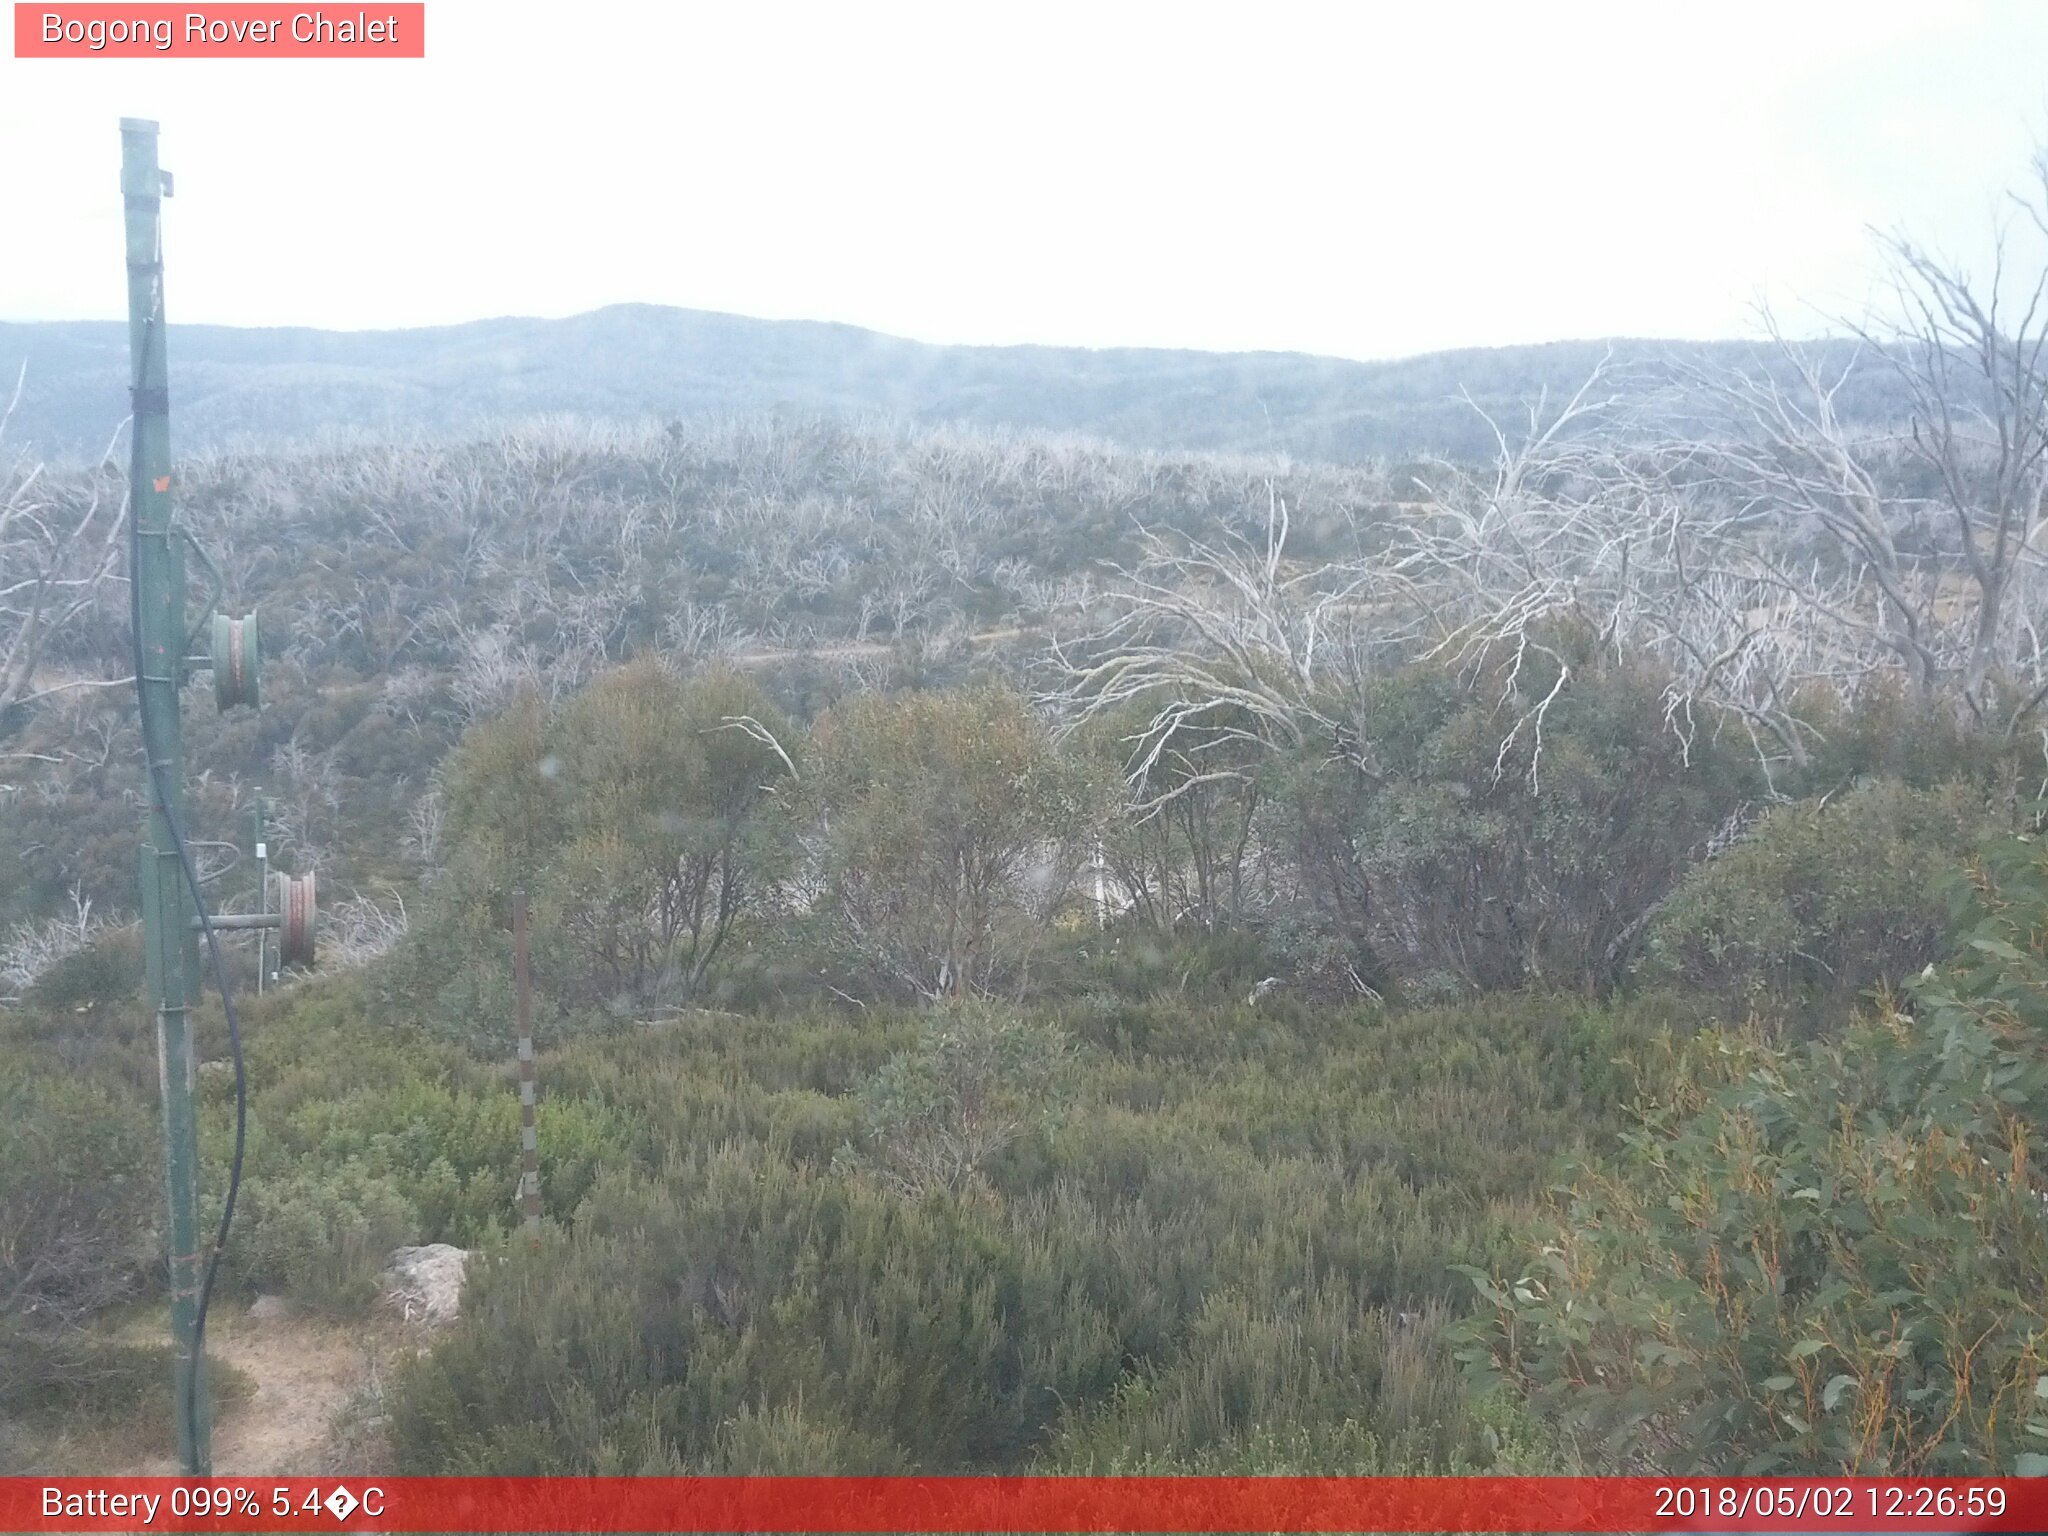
949, 831
1473, 837
333, 1084
977, 1080
1134, 960
79, 1197
639, 815
1226, 1218
1179, 849
319, 1235
98, 1380
108, 970
643, 1335
1298, 1383
1817, 1260
1822, 902
1889, 731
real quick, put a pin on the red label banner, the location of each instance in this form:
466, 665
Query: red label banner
226, 31
1021, 1504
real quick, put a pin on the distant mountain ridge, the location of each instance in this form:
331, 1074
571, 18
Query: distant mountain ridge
265, 387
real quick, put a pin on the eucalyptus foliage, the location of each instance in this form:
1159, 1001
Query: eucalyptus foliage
1823, 1259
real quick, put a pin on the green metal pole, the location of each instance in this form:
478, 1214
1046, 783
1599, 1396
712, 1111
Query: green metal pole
168, 904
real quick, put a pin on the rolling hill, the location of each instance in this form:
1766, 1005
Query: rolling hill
265, 387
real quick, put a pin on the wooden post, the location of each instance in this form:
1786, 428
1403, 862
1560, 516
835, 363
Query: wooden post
529, 1141
262, 896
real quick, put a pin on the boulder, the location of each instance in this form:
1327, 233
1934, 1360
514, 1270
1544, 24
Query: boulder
425, 1284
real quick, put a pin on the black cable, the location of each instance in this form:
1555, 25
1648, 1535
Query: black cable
164, 801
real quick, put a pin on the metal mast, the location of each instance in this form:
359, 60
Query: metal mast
169, 906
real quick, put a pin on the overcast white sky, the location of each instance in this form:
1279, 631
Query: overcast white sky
1367, 180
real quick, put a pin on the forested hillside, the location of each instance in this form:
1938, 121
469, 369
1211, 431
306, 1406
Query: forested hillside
638, 362
1058, 956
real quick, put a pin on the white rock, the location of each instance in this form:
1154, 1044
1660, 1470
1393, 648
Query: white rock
425, 1283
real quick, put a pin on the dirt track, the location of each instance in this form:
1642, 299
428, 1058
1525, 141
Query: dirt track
304, 1373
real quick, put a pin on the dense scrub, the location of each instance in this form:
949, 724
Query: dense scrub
1178, 1232
1217, 1226
1458, 855
947, 1066
77, 1219
1824, 1259
1827, 900
409, 590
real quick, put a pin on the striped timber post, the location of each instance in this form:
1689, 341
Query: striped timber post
529, 1142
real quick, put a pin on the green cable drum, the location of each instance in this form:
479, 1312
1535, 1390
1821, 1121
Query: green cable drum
237, 662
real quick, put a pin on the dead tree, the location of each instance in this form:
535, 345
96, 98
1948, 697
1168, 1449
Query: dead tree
1218, 641
1784, 550
1934, 527
59, 549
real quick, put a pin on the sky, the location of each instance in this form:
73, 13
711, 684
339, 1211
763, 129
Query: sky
1364, 179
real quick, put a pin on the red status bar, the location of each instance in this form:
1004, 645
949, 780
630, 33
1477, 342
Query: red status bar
1022, 1504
